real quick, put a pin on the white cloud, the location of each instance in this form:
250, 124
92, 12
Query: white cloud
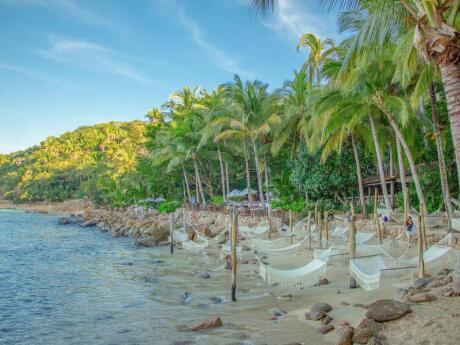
69, 8
221, 59
291, 20
91, 55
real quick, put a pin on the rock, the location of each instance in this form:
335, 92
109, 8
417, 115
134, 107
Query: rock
374, 341
387, 310
218, 300
315, 315
228, 265
277, 312
187, 297
326, 320
323, 329
345, 335
373, 325
320, 306
362, 336
422, 297
322, 281
208, 324
344, 303
146, 242
204, 275
422, 282
342, 323
437, 283
89, 222
287, 298
64, 221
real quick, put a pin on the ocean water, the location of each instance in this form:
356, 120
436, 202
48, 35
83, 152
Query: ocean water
73, 285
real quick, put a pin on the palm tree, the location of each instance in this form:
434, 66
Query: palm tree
252, 120
320, 51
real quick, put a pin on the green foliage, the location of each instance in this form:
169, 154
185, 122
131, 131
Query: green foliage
217, 200
168, 206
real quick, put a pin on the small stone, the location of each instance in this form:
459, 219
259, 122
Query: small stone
422, 282
344, 303
64, 221
320, 306
326, 320
422, 297
267, 294
204, 275
376, 327
187, 297
342, 323
208, 324
374, 341
218, 300
362, 336
277, 312
346, 335
323, 329
387, 310
287, 298
315, 315
359, 305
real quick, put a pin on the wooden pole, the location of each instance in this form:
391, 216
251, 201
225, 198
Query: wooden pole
369, 195
352, 240
234, 254
269, 222
320, 230
171, 232
309, 229
421, 262
290, 223
376, 219
326, 228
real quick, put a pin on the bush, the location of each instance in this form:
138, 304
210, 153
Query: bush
217, 200
168, 206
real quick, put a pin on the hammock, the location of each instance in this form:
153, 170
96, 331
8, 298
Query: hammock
264, 245
339, 231
456, 223
325, 254
284, 250
193, 246
258, 230
179, 235
305, 276
227, 249
367, 270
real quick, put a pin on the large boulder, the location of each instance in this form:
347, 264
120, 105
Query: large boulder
387, 310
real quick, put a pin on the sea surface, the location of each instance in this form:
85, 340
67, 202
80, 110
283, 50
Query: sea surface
72, 285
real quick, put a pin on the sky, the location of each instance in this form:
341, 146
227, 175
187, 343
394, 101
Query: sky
69, 63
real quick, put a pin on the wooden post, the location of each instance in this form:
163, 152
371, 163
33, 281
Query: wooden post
290, 223
421, 262
320, 230
269, 222
316, 218
309, 229
171, 232
423, 226
369, 195
234, 254
326, 228
352, 240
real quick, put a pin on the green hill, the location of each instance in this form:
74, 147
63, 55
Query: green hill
86, 162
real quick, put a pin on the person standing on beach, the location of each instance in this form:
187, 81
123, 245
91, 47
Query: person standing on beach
411, 229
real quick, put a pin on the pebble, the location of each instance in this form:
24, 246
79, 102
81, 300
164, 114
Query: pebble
321, 306
218, 300
204, 275
323, 329
315, 315
342, 323
287, 298
277, 312
422, 297
208, 324
346, 336
187, 297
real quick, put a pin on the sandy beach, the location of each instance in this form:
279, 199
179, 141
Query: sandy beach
254, 315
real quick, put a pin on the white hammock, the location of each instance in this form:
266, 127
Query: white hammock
264, 245
227, 250
284, 250
368, 270
305, 276
456, 223
339, 231
193, 246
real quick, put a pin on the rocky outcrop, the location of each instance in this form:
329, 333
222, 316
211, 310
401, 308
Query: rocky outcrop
387, 310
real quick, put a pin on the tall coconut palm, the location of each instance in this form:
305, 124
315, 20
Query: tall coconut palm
253, 119
320, 51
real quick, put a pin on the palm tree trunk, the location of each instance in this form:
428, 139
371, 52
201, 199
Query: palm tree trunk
441, 160
200, 186
358, 175
402, 177
267, 182
405, 146
392, 183
379, 162
222, 172
248, 176
227, 178
259, 177
187, 185
451, 79
197, 190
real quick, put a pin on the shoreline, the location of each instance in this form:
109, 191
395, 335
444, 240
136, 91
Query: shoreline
428, 319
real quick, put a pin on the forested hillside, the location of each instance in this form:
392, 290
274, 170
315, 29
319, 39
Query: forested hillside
86, 162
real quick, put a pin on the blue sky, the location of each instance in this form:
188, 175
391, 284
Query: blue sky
68, 63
